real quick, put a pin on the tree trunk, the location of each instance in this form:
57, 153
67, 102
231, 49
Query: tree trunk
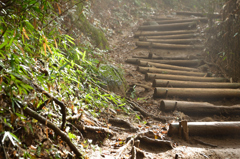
208, 128
188, 84
155, 33
167, 71
153, 76
168, 46
199, 93
168, 27
198, 108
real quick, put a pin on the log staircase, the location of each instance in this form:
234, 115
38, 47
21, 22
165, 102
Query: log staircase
182, 77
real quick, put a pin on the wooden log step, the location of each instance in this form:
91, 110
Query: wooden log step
167, 27
196, 93
179, 36
207, 128
167, 71
168, 46
172, 67
198, 108
188, 84
132, 60
153, 76
192, 63
163, 18
153, 56
156, 33
203, 20
174, 41
199, 14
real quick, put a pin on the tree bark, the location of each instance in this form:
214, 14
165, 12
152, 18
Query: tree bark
167, 71
199, 93
167, 27
198, 108
190, 84
156, 33
168, 46
153, 76
208, 128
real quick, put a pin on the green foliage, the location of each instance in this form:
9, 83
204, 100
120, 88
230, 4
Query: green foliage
34, 51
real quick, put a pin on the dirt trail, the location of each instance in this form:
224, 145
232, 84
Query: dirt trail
200, 146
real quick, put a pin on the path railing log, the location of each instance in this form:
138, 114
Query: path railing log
208, 129
191, 84
198, 108
196, 93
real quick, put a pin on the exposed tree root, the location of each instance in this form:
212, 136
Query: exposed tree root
122, 149
60, 103
163, 119
123, 123
44, 121
157, 142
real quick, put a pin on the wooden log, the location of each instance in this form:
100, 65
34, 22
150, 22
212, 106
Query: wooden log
174, 41
198, 108
199, 93
168, 46
163, 18
204, 20
179, 36
208, 128
199, 14
190, 84
166, 66
155, 33
153, 76
192, 63
152, 56
132, 60
167, 71
167, 27
176, 57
